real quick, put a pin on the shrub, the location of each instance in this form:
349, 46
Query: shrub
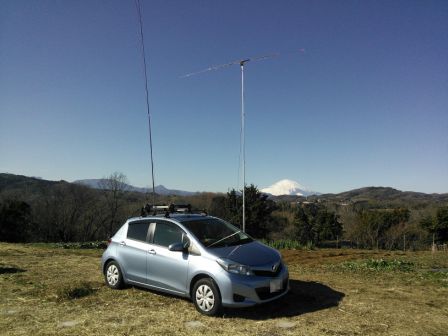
288, 244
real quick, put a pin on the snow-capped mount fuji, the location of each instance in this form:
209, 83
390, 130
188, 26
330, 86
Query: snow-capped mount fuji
288, 187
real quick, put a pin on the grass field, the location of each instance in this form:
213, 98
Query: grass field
47, 290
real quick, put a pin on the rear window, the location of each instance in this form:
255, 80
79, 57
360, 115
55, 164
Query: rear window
138, 231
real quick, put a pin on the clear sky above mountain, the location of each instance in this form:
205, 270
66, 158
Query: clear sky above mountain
365, 104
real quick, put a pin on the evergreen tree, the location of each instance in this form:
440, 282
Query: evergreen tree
258, 210
315, 223
303, 226
442, 224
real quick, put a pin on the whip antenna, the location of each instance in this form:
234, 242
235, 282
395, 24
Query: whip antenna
139, 12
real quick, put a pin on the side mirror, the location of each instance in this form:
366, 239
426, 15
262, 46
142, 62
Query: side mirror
180, 246
176, 247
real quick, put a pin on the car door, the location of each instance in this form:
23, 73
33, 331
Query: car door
133, 252
167, 269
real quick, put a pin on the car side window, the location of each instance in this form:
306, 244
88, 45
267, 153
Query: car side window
167, 233
138, 231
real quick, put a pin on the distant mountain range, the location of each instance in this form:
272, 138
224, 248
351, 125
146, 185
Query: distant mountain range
288, 187
281, 188
160, 189
11, 184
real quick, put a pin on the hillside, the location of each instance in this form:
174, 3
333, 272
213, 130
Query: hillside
388, 194
386, 197
380, 195
11, 181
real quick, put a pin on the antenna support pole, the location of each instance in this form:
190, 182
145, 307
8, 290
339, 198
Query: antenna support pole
243, 144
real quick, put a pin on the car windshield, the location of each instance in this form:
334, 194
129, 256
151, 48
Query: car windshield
213, 232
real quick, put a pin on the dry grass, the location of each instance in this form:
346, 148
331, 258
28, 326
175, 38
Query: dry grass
47, 291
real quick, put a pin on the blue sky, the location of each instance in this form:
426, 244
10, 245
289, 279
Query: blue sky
365, 105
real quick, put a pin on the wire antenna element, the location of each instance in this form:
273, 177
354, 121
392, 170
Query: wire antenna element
138, 5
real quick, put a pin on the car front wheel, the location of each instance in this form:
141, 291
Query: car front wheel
206, 297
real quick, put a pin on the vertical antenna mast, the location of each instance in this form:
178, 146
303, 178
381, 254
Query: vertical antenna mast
243, 143
139, 11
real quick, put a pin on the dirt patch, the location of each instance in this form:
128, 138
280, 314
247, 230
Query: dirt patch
10, 270
330, 256
75, 291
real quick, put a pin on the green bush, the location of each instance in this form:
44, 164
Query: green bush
288, 244
84, 245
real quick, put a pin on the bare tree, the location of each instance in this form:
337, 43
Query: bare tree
114, 187
61, 212
94, 217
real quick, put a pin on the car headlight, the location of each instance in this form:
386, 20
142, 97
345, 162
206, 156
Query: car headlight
234, 267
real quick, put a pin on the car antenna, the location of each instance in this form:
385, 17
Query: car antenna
241, 63
139, 7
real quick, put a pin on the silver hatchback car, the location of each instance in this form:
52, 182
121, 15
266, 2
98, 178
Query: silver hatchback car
196, 256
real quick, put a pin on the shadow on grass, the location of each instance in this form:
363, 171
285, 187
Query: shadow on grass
10, 270
303, 297
158, 293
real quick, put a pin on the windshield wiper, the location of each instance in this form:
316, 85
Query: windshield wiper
218, 241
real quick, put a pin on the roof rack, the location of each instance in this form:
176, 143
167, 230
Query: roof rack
154, 210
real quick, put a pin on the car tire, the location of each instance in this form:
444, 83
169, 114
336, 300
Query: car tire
206, 297
113, 275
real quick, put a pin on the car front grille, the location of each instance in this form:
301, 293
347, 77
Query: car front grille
268, 273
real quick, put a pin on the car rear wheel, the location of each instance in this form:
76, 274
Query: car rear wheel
206, 297
113, 275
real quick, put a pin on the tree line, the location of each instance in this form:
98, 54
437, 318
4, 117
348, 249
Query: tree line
65, 212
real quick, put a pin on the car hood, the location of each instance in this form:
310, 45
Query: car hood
251, 254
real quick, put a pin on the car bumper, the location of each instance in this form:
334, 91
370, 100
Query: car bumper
244, 291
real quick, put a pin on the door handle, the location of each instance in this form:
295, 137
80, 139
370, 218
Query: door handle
122, 243
152, 251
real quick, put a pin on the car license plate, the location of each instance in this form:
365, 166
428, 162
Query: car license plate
276, 285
